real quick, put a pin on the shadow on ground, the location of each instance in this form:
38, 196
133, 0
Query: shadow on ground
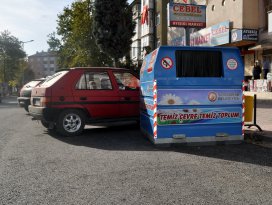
129, 138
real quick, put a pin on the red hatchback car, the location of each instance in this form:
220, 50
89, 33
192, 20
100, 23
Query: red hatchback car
72, 98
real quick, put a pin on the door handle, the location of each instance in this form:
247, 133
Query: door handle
125, 98
83, 98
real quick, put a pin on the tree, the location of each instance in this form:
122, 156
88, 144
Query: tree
11, 53
53, 42
113, 27
76, 46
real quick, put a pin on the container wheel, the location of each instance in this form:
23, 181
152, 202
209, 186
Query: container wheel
71, 122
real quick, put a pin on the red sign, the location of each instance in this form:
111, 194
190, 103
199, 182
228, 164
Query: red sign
167, 63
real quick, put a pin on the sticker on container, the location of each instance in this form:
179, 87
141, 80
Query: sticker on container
152, 60
143, 67
167, 63
232, 64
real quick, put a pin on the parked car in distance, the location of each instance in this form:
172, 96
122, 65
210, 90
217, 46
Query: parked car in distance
72, 98
25, 93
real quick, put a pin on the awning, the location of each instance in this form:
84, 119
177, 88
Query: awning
261, 46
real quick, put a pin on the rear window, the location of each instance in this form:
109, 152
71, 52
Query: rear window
50, 80
199, 64
32, 84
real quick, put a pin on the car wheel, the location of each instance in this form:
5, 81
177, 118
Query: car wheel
45, 123
71, 122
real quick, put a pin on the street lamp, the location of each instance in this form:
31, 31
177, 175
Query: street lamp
23, 43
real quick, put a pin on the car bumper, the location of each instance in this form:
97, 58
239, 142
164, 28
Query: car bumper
43, 113
36, 112
23, 101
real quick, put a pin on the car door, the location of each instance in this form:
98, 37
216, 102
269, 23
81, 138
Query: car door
95, 92
129, 93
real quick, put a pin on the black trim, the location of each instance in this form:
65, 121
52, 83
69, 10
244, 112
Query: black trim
94, 103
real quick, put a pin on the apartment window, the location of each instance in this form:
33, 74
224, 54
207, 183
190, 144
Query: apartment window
268, 9
158, 19
158, 43
133, 52
199, 63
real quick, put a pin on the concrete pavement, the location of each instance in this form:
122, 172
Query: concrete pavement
264, 120
252, 134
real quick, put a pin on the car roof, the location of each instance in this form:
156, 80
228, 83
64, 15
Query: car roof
99, 68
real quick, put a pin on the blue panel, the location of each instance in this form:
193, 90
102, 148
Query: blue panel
146, 124
199, 130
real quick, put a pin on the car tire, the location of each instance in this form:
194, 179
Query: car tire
71, 122
45, 123
26, 107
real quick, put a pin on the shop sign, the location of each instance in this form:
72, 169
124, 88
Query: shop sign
186, 15
196, 2
244, 34
212, 36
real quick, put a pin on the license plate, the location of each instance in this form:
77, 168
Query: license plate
36, 102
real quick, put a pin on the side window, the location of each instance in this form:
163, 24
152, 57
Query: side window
126, 81
199, 63
94, 81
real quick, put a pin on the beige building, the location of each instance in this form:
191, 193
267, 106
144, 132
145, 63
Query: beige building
43, 63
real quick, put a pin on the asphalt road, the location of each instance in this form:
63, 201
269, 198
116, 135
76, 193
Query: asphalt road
117, 165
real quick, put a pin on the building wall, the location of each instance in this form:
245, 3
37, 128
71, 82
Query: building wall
43, 64
147, 28
251, 14
218, 12
161, 30
136, 40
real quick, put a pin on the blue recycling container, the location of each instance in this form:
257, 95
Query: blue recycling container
192, 95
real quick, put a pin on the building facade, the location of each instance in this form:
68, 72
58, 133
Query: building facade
43, 64
263, 49
240, 23
136, 40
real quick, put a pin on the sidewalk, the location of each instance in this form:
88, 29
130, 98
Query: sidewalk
264, 120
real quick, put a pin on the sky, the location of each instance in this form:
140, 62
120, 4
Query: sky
31, 20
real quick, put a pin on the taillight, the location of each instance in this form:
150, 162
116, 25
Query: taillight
40, 101
45, 101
